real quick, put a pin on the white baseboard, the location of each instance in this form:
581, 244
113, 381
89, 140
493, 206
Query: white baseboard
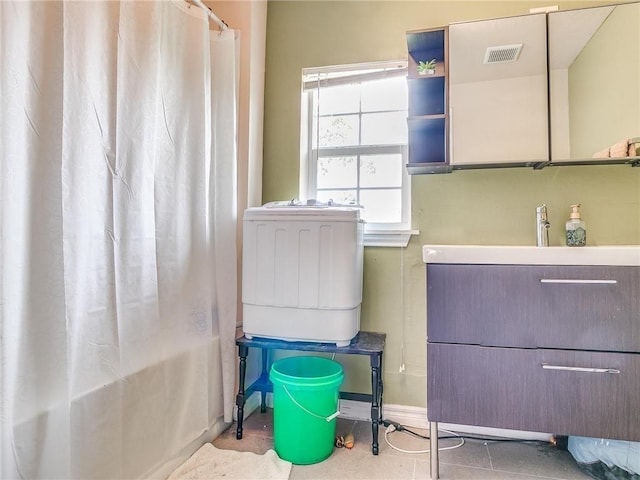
408, 416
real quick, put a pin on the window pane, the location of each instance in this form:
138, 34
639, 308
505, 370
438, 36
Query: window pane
339, 131
384, 128
382, 206
337, 172
340, 99
338, 196
355, 133
387, 94
381, 170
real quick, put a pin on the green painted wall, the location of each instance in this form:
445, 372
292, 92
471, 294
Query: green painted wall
467, 207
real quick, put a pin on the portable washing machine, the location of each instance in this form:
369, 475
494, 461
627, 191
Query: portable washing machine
302, 272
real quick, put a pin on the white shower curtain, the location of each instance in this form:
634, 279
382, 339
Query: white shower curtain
118, 223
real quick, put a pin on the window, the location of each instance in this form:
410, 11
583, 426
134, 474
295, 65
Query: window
354, 144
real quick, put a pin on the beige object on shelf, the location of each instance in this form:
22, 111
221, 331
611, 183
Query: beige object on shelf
629, 147
619, 149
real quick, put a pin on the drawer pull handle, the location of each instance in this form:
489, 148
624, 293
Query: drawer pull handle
578, 281
546, 366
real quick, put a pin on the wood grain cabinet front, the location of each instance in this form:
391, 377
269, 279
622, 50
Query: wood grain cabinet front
561, 391
547, 348
535, 306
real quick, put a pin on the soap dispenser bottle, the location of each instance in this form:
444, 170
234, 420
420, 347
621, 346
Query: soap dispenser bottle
576, 229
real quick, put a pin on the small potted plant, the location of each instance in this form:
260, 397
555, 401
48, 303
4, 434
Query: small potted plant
427, 68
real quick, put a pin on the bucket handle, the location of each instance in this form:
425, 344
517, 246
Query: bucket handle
328, 419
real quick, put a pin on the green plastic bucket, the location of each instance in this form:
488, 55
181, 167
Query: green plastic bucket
305, 407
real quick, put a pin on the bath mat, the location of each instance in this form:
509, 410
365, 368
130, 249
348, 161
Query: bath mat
210, 463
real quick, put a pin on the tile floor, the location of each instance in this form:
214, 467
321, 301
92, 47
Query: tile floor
477, 460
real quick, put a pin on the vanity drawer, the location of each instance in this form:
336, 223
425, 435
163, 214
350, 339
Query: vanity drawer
592, 394
485, 386
582, 307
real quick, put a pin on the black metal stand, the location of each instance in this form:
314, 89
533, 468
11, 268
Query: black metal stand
364, 343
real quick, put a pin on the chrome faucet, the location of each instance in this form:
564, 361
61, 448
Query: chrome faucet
542, 226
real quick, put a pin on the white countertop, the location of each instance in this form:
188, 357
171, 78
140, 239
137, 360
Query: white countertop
530, 255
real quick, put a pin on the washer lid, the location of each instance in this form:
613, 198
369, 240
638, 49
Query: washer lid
304, 212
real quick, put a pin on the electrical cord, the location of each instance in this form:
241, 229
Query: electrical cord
392, 428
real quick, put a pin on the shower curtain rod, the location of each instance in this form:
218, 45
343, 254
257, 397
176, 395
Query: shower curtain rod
211, 15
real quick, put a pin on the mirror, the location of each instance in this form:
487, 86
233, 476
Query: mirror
498, 108
594, 83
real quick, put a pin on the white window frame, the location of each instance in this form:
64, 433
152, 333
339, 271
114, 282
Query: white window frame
375, 234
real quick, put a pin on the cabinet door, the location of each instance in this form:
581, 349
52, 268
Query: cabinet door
498, 91
592, 110
484, 386
492, 305
548, 306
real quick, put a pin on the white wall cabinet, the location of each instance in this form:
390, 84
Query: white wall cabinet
498, 109
594, 81
558, 88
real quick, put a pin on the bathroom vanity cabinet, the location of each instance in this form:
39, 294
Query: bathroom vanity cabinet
535, 343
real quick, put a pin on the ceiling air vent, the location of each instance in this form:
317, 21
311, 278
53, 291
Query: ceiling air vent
503, 53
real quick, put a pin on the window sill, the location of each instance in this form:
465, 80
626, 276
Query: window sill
388, 238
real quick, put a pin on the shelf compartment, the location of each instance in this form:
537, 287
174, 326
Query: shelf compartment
427, 139
427, 96
425, 45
